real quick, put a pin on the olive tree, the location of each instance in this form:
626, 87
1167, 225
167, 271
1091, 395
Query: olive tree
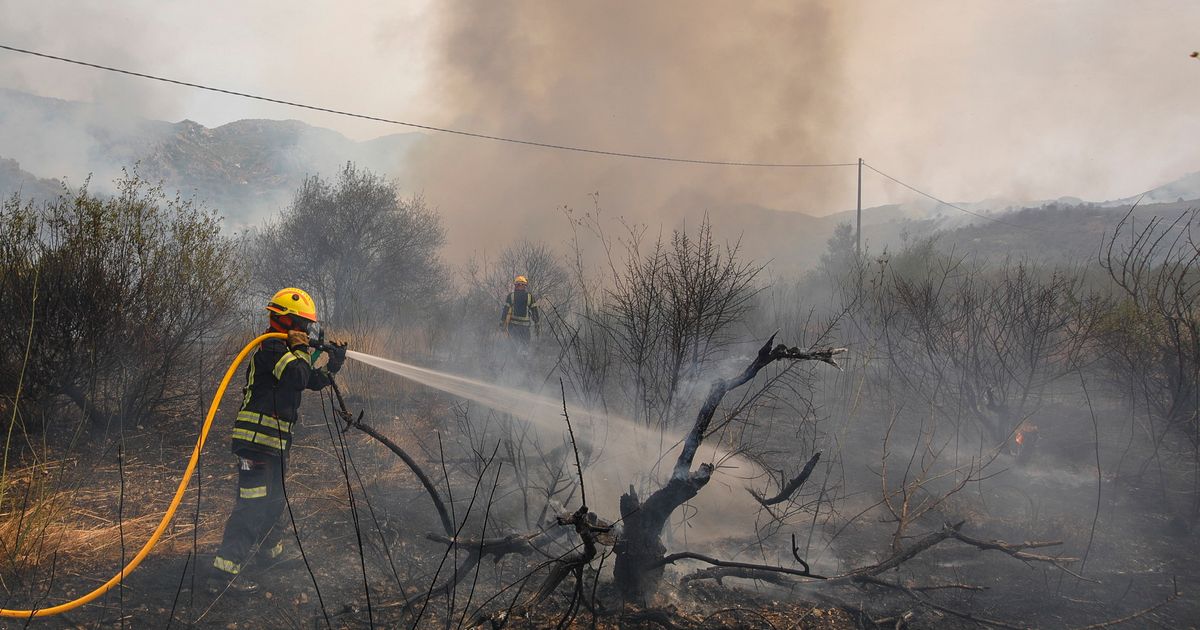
106, 300
366, 254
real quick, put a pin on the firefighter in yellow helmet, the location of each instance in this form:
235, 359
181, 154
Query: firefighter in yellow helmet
278, 374
520, 313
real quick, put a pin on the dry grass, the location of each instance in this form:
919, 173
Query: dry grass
44, 522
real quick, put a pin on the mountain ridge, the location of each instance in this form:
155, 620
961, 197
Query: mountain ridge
249, 168
245, 168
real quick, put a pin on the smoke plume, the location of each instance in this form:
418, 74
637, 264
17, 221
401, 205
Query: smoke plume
706, 80
1021, 100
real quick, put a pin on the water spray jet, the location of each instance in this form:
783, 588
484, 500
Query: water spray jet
627, 447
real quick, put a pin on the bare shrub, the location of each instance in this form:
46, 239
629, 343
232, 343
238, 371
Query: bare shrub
671, 311
115, 294
1152, 335
976, 341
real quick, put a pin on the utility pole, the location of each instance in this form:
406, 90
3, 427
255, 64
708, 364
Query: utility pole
858, 230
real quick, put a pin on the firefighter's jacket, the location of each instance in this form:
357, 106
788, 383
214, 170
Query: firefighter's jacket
275, 379
520, 309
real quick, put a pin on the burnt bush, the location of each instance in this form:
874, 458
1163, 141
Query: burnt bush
649, 315
105, 301
1151, 335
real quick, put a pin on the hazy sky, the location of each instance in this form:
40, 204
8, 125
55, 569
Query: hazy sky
968, 99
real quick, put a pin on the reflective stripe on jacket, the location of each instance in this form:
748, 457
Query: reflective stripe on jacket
520, 308
275, 379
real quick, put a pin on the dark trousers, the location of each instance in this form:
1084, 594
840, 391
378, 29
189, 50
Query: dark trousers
519, 334
255, 516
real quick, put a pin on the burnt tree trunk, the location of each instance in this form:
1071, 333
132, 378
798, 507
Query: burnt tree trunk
639, 550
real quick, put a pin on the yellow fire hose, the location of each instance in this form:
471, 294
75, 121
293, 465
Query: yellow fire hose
166, 519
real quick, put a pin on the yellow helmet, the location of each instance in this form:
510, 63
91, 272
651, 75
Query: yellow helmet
292, 301
520, 280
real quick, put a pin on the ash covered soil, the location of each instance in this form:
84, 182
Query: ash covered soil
1137, 557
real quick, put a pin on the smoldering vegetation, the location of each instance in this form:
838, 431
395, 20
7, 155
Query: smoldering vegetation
921, 437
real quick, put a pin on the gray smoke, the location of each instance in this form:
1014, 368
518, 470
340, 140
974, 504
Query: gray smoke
1020, 100
702, 80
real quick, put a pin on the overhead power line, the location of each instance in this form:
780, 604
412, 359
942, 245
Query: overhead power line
457, 132
947, 203
495, 138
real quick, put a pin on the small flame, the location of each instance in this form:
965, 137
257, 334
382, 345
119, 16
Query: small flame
1020, 439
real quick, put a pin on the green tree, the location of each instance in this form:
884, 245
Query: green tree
112, 296
366, 255
841, 250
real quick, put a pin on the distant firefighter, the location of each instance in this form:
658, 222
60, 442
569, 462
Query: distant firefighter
520, 313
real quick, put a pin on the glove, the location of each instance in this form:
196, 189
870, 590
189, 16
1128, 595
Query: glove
297, 339
337, 356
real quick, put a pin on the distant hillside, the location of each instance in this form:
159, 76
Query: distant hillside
250, 168
1182, 189
1057, 233
15, 180
789, 240
245, 169
1054, 233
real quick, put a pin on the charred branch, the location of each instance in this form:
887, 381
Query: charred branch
867, 574
496, 548
791, 487
908, 553
590, 531
640, 550
477, 550
689, 555
1016, 550
720, 573
574, 447
716, 392
443, 514
926, 588
89, 408
950, 531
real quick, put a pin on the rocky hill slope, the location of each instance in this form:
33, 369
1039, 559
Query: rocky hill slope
245, 168
248, 169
